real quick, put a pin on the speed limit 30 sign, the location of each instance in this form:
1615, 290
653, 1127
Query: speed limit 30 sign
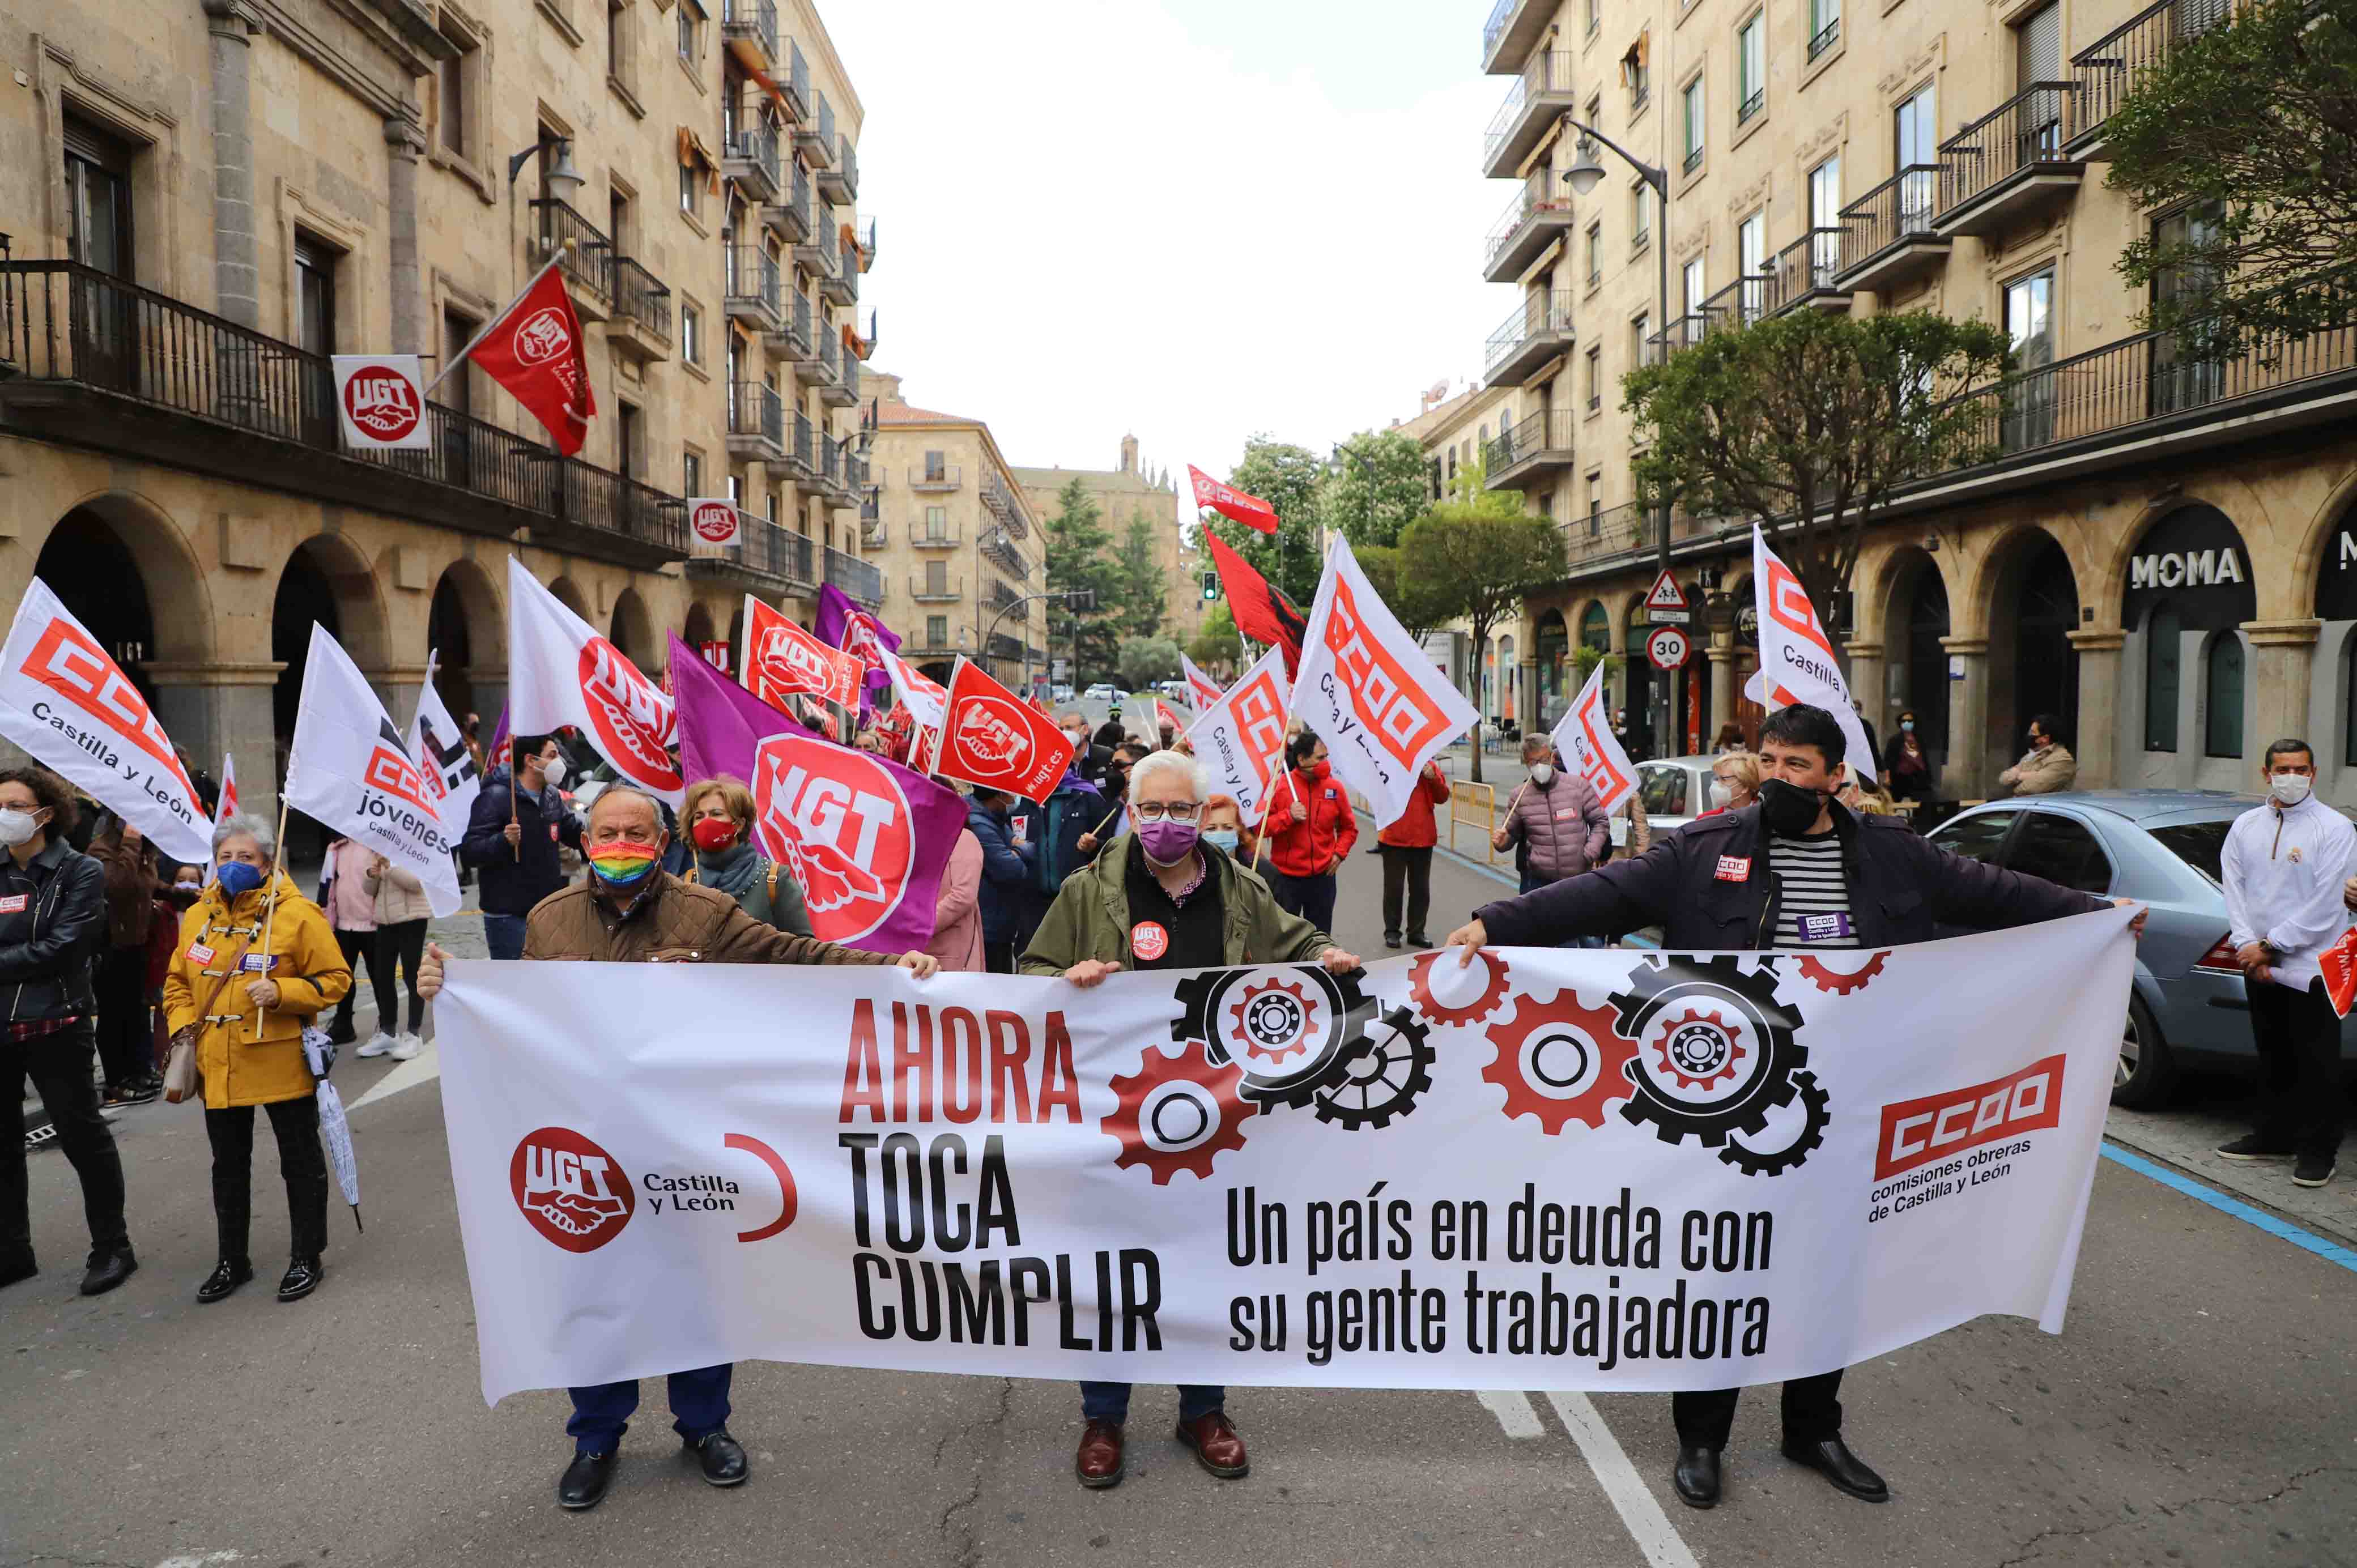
1668, 647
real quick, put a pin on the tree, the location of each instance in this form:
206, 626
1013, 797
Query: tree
1217, 642
1808, 422
1141, 590
1078, 551
1421, 605
1287, 478
2251, 120
1144, 661
1481, 561
1376, 489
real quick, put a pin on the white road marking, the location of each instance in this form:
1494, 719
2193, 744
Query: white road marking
1515, 1412
423, 1068
1654, 1536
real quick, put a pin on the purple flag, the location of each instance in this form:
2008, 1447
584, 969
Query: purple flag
843, 624
495, 754
867, 839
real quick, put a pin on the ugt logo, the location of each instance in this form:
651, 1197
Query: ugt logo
988, 732
542, 337
572, 1191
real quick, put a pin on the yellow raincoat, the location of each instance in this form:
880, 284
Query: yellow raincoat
240, 1065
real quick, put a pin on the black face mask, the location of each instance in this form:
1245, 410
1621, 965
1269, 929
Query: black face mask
1787, 808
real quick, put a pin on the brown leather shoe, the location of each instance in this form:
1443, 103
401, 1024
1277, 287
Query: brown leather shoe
1099, 1464
1217, 1447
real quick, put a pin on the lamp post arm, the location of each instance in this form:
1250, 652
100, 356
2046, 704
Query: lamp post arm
1658, 179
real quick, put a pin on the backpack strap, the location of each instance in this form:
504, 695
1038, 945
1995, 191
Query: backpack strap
773, 884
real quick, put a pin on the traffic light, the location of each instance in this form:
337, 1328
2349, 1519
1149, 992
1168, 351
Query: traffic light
1082, 599
1211, 586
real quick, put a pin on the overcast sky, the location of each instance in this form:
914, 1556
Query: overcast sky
1195, 219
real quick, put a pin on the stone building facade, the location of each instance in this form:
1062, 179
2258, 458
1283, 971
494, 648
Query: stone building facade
2157, 556
203, 199
1129, 491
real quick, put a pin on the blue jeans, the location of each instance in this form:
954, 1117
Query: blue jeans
601, 1412
504, 934
1110, 1402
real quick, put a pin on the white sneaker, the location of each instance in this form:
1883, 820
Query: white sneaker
379, 1043
406, 1047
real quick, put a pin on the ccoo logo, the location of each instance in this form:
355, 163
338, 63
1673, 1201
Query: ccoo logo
574, 1192
633, 719
839, 821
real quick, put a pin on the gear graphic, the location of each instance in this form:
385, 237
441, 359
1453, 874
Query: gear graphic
1384, 1078
1177, 1112
1493, 992
1275, 1019
1734, 1095
1540, 1041
1816, 1107
1839, 981
1701, 1050
1271, 1074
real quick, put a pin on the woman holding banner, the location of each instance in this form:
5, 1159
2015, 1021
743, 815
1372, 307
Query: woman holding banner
256, 964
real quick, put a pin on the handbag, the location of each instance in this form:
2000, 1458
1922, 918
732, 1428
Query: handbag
181, 1078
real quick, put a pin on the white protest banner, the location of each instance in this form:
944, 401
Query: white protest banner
1584, 737
1597, 1169
561, 673
380, 402
1796, 657
439, 748
64, 700
1201, 690
926, 699
350, 770
1371, 691
1240, 739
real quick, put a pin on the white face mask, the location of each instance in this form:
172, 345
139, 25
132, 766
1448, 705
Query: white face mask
2288, 789
553, 771
1543, 774
17, 825
1720, 793
1077, 737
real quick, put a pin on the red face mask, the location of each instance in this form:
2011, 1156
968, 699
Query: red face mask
713, 834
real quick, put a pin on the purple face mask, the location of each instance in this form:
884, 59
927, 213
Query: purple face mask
1167, 843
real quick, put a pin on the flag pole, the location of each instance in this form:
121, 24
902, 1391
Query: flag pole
270, 915
475, 342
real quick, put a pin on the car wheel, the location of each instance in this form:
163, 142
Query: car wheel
2143, 1070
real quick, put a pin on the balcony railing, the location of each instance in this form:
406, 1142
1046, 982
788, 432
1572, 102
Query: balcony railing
1542, 439
830, 360
858, 578
936, 535
841, 182
1003, 504
641, 298
2105, 71
1803, 269
937, 477
1514, 28
763, 549
1537, 324
756, 21
749, 156
1000, 551
757, 412
793, 337
163, 379
1541, 93
815, 139
1752, 105
1002, 598
790, 213
1543, 206
753, 282
797, 83
2019, 138
589, 253
1825, 38
803, 454
1895, 214
1003, 647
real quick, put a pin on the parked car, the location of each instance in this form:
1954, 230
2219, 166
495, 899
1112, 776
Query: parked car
2162, 847
1060, 694
1103, 691
1674, 791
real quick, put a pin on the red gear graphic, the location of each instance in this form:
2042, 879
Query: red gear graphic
1192, 1065
1841, 983
1300, 1041
1493, 997
1670, 1027
1613, 1052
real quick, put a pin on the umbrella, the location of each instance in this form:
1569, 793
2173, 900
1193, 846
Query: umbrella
335, 1128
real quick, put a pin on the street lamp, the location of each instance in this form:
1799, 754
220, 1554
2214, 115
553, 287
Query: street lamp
1074, 598
564, 181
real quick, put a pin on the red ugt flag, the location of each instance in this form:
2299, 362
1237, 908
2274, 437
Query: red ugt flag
537, 352
1250, 510
992, 738
2340, 963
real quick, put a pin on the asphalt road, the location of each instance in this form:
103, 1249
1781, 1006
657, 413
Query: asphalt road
2201, 1409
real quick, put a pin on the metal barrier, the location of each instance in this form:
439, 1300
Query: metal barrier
1485, 797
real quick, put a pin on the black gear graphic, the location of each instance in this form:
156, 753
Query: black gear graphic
1765, 1080
1382, 1078
1816, 1105
1297, 1083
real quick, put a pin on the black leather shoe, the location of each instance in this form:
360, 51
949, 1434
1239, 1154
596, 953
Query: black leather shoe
722, 1458
1391, 942
1696, 1477
583, 1484
107, 1269
227, 1275
1833, 1461
302, 1277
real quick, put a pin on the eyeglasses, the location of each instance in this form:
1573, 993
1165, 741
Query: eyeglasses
1155, 811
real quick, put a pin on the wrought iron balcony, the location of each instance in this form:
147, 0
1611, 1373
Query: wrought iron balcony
1002, 596
840, 183
1539, 445
1003, 504
2011, 164
1752, 105
936, 535
937, 477
1005, 648
801, 457
750, 156
791, 340
1514, 30
1532, 221
755, 288
1539, 329
755, 23
790, 216
858, 578
588, 254
1825, 38
640, 326
797, 84
1542, 94
840, 283
814, 139
1803, 272
838, 375
765, 556
867, 247
818, 252
1887, 234
2106, 70
999, 550
757, 422
837, 479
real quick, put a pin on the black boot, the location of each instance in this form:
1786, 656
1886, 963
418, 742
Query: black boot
227, 1275
16, 1267
302, 1277
1695, 1476
109, 1267
583, 1484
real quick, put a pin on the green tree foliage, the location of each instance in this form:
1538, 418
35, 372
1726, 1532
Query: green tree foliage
1217, 642
1140, 584
1808, 422
1142, 660
1376, 489
1480, 562
2251, 120
1079, 556
1421, 607
1288, 478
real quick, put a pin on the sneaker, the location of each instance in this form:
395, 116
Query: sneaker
42, 1135
2253, 1148
379, 1043
405, 1048
2313, 1170
138, 1093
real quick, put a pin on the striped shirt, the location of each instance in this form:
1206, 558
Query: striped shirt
1813, 903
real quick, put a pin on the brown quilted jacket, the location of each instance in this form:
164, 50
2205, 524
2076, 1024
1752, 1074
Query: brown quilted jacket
676, 922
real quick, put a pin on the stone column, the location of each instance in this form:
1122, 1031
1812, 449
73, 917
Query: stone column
2098, 740
405, 145
1967, 776
237, 281
210, 709
2282, 653
1868, 685
396, 686
1724, 687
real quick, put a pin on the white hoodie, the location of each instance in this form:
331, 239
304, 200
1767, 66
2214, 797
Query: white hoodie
2282, 872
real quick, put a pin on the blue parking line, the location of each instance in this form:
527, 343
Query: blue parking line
2307, 1241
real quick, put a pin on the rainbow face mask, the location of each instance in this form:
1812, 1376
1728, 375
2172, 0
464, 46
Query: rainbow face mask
622, 865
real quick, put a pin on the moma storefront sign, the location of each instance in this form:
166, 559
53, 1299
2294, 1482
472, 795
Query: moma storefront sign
2194, 560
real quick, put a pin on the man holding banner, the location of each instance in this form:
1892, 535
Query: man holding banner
1796, 872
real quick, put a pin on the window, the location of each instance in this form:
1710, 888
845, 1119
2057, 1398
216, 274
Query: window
1593, 23
1696, 291
937, 577
691, 189
1915, 151
1824, 222
620, 225
690, 473
691, 334
454, 80
2222, 683
2062, 850
1595, 379
1595, 253
1595, 511
2201, 845
1639, 331
627, 430
937, 523
2027, 417
1825, 26
618, 43
1751, 259
1974, 837
315, 296
691, 31
1635, 73
2179, 383
2037, 47
937, 631
1750, 68
98, 201
458, 330
769, 507
1692, 119
2164, 639
1640, 208
937, 467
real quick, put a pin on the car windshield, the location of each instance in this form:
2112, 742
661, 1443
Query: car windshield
2198, 844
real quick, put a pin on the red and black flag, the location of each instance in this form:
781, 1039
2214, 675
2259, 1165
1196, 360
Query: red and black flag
1262, 613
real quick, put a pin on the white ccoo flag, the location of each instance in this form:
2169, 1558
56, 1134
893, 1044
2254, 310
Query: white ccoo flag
561, 673
225, 803
1796, 657
1201, 690
1240, 739
440, 751
1583, 736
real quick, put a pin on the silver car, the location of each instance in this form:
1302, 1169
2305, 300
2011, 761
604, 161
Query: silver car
1674, 791
2161, 847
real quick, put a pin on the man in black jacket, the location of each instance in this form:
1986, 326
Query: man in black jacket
1796, 870
52, 922
514, 847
